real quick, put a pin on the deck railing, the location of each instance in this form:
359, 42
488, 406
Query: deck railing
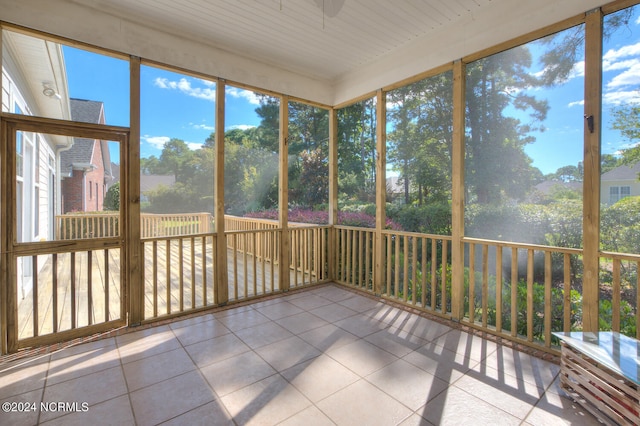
82, 225
521, 292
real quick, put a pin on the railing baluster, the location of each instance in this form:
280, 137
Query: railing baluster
530, 295
615, 296
547, 298
514, 292
485, 283
472, 283
89, 287
567, 292
34, 277
499, 289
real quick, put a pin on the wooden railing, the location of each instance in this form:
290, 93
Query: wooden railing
75, 226
523, 292
178, 274
520, 292
621, 273
417, 270
107, 225
354, 257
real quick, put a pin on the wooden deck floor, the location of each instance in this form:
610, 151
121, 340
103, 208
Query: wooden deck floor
96, 296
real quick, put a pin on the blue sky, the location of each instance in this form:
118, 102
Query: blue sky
178, 106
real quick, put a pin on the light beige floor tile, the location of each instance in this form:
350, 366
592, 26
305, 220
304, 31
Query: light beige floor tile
552, 409
516, 397
279, 310
141, 334
210, 414
328, 337
115, 411
468, 345
157, 368
170, 398
232, 310
361, 325
407, 383
354, 405
416, 420
191, 321
23, 376
215, 350
82, 363
269, 401
361, 303
334, 312
147, 345
396, 343
91, 389
301, 322
287, 353
362, 357
235, 373
243, 319
442, 363
526, 367
320, 377
456, 407
201, 331
333, 293
262, 335
84, 347
310, 416
23, 409
309, 301
418, 326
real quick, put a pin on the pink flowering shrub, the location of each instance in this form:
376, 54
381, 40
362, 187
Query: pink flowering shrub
358, 219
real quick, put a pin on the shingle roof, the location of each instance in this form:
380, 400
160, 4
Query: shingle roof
82, 150
623, 173
86, 111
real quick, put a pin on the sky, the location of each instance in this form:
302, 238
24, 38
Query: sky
179, 106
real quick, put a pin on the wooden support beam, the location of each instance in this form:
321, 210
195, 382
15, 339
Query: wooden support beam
131, 256
333, 191
283, 193
221, 293
381, 190
591, 188
457, 193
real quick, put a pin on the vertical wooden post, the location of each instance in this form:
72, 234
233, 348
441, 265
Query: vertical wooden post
591, 189
131, 256
333, 191
381, 190
8, 296
283, 193
4, 225
457, 193
221, 294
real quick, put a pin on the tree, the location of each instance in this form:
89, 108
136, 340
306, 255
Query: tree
174, 158
626, 119
112, 198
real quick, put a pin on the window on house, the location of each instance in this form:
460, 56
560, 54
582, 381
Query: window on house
617, 193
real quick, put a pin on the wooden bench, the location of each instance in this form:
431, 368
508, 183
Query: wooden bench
601, 372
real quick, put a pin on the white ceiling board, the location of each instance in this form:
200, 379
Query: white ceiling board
290, 46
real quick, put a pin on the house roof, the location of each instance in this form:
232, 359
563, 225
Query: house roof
546, 186
622, 173
327, 51
81, 153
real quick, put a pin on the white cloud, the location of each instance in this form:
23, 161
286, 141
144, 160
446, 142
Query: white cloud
620, 65
194, 146
621, 97
630, 77
630, 50
241, 127
202, 127
248, 95
156, 141
183, 85
576, 103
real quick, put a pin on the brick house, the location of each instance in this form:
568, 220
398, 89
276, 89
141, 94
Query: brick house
86, 166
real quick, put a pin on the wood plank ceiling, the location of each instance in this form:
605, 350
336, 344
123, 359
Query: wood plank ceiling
296, 34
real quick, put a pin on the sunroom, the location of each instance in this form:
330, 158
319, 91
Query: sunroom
309, 210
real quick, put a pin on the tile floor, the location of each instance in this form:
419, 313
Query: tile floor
323, 356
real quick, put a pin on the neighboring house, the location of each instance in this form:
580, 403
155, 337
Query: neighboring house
548, 187
619, 183
86, 166
148, 183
